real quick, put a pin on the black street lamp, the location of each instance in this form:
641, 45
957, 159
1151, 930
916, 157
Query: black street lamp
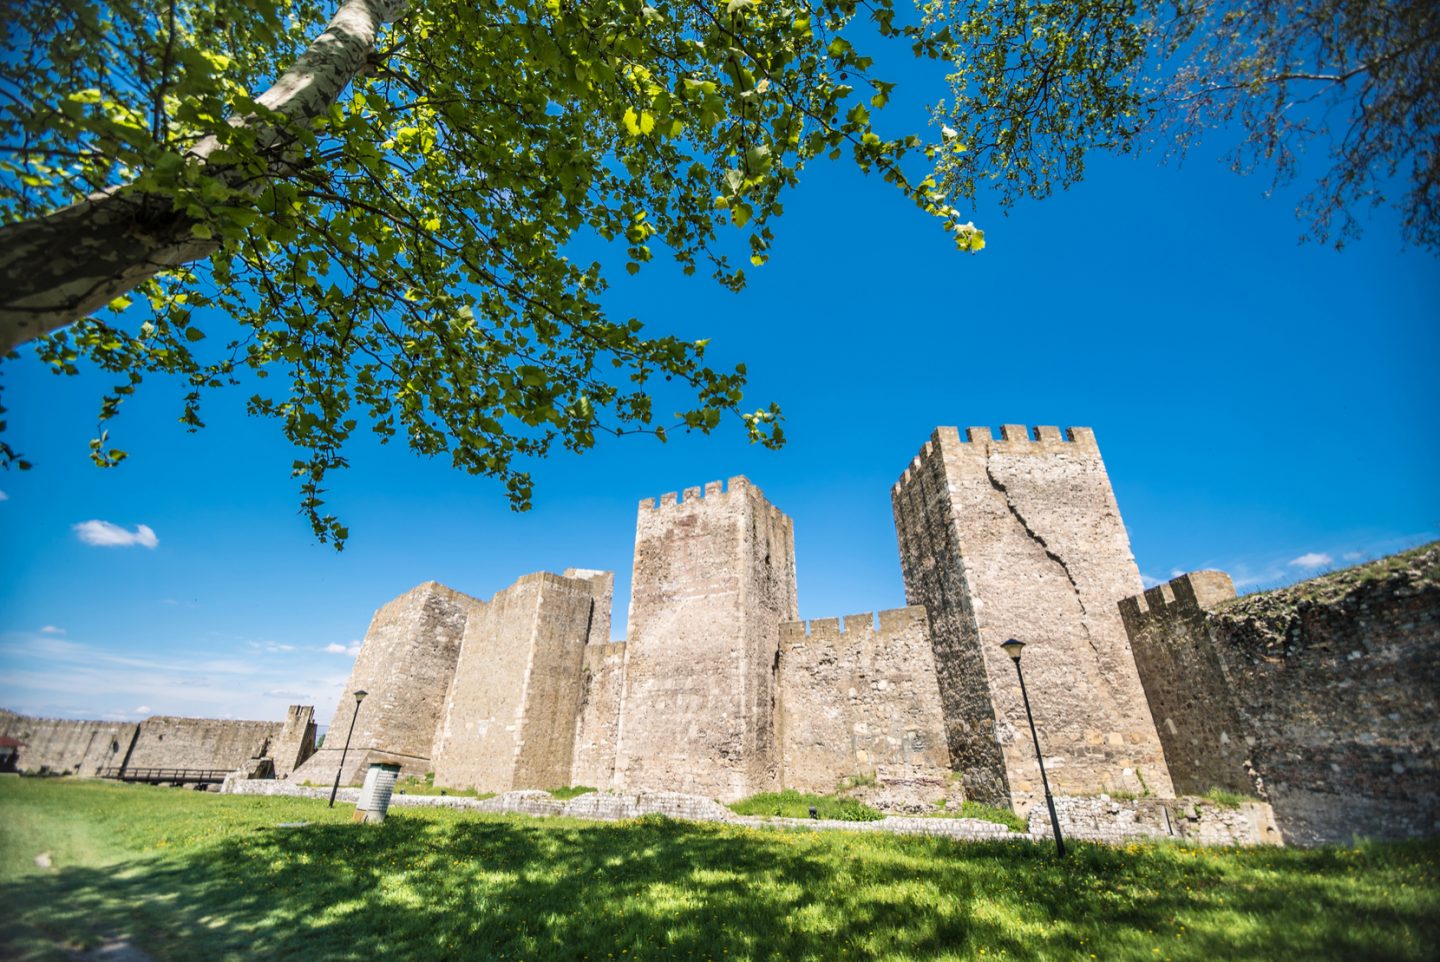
1013, 648
359, 697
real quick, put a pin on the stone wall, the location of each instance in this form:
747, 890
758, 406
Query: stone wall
1021, 538
511, 711
405, 665
1197, 820
65, 747
854, 699
1333, 684
1189, 696
168, 741
598, 727
714, 577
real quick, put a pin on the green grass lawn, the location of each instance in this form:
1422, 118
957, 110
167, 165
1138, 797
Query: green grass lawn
186, 875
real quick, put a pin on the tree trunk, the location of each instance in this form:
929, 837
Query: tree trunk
58, 268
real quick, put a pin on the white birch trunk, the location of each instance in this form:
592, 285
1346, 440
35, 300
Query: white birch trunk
58, 268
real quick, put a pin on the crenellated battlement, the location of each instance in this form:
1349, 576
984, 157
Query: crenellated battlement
853, 629
1179, 597
1014, 439
712, 489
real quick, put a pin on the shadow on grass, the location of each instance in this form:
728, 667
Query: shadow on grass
504, 888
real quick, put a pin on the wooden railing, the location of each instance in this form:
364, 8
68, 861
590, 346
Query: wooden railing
166, 776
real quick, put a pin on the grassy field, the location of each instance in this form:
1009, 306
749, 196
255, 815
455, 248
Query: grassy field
193, 876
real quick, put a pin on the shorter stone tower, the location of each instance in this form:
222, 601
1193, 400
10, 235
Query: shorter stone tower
405, 665
714, 578
512, 708
1021, 538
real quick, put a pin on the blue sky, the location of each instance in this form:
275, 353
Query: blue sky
1264, 407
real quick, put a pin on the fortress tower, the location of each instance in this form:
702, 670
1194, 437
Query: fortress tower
513, 705
405, 665
714, 578
1021, 538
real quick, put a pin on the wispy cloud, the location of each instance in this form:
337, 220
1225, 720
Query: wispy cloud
4, 496
58, 677
335, 648
52, 630
1311, 560
103, 534
272, 647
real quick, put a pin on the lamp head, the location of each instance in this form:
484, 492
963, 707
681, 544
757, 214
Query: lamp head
360, 694
1013, 647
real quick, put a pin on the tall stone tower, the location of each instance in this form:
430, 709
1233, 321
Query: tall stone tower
714, 578
1021, 538
405, 665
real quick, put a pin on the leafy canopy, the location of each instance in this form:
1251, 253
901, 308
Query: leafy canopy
404, 262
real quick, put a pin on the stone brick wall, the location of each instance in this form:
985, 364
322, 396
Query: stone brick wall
854, 699
66, 747
1197, 820
598, 727
1021, 538
714, 577
511, 711
1334, 685
167, 741
1190, 698
405, 665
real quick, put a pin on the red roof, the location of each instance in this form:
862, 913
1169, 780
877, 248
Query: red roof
10, 743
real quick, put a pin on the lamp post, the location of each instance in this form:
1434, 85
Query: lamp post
359, 697
1013, 647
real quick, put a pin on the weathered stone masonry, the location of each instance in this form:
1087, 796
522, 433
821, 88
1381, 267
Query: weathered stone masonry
65, 747
1021, 538
1321, 697
714, 577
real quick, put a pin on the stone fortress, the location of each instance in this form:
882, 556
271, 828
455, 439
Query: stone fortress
1321, 702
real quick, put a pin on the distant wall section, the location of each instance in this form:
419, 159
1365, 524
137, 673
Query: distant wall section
59, 746
167, 741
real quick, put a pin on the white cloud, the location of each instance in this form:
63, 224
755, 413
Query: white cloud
103, 534
143, 710
335, 648
4, 496
271, 646
1147, 581
52, 630
1313, 559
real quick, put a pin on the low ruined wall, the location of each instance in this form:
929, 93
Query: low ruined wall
1090, 819
65, 747
167, 741
854, 698
1115, 821
1333, 685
